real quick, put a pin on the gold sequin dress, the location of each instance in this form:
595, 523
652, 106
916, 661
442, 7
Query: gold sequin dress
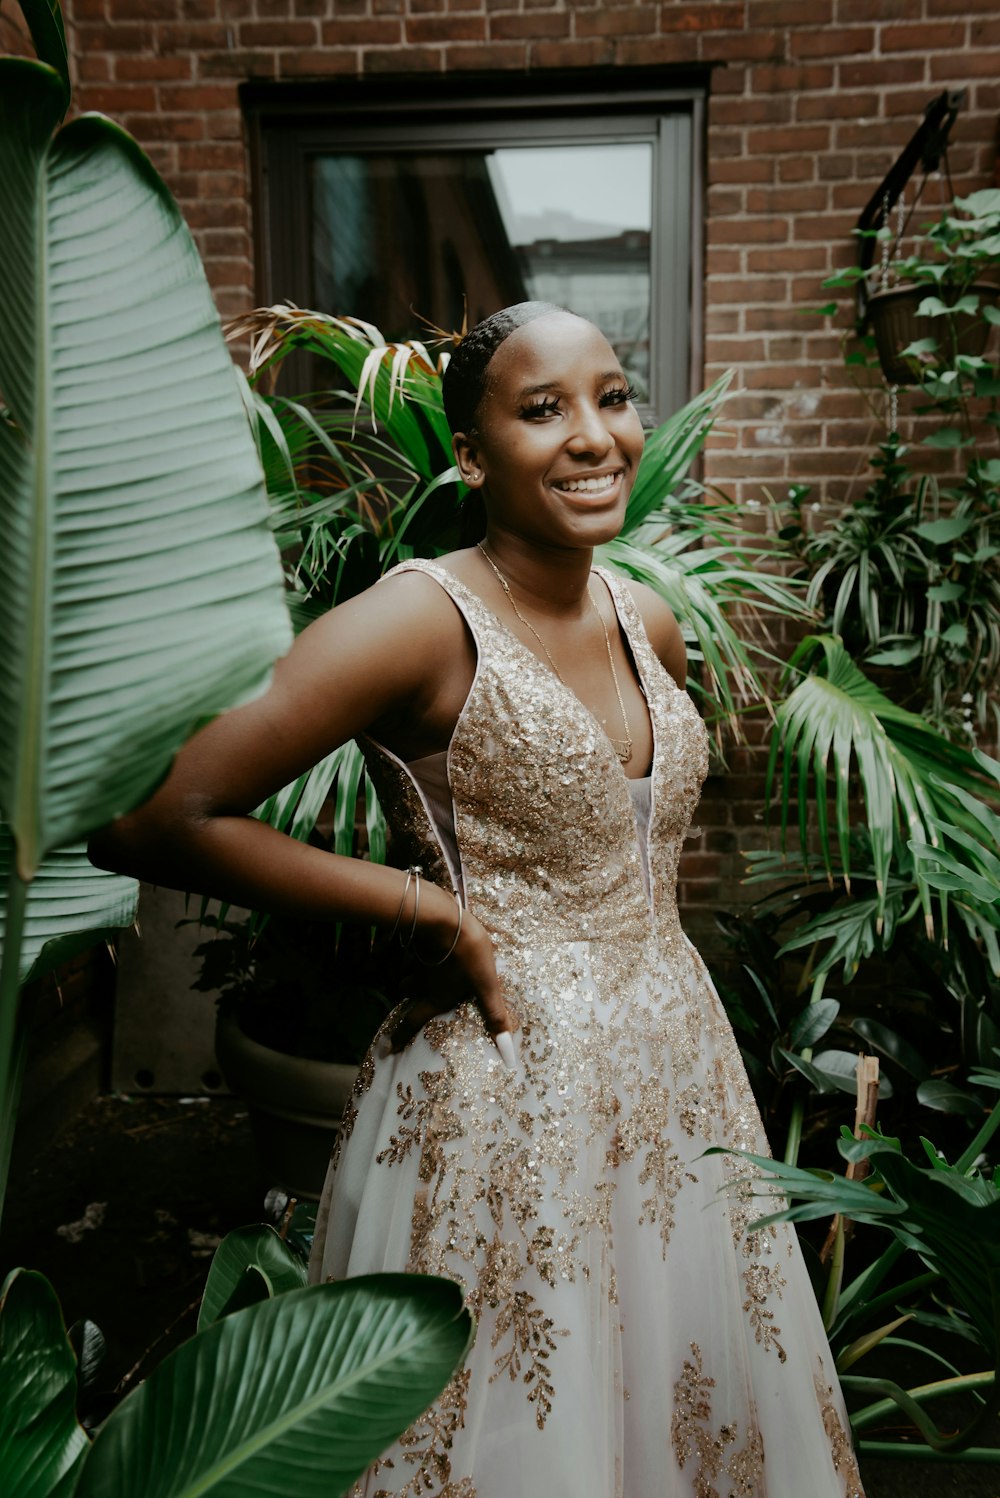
633, 1341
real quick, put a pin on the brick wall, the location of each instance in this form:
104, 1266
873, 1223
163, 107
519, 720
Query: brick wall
810, 101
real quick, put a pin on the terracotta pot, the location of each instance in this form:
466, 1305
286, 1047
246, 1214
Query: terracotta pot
895, 324
296, 1106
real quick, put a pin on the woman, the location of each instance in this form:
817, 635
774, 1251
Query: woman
535, 1125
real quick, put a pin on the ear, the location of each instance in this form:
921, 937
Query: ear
466, 450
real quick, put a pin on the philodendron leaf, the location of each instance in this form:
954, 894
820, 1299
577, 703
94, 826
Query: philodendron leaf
140, 588
258, 1247
71, 906
300, 1393
41, 1441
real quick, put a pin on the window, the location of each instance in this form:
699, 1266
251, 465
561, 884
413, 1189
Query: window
405, 214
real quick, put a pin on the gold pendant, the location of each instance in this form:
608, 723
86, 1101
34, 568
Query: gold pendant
623, 749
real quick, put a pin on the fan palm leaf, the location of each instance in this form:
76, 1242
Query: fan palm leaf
909, 777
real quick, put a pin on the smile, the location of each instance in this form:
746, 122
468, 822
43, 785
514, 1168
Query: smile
599, 485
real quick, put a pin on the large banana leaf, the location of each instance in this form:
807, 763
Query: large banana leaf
909, 776
140, 591
70, 906
41, 1441
299, 1393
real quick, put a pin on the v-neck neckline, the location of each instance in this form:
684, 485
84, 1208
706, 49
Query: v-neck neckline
548, 669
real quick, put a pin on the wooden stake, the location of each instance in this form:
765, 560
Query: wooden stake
864, 1113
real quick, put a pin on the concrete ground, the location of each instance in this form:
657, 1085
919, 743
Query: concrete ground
123, 1208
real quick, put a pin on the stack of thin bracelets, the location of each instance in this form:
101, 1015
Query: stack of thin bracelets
413, 874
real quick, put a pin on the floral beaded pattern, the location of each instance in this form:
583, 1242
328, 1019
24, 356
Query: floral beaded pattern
628, 1068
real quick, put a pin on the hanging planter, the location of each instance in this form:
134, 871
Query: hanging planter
896, 323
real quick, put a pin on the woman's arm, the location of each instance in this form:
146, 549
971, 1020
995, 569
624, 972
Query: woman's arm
663, 631
397, 652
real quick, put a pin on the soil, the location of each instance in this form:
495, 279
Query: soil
122, 1212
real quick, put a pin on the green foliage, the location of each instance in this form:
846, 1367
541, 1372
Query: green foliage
319, 1380
119, 404
910, 573
41, 1442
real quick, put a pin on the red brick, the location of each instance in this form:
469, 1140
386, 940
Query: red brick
359, 33
164, 127
735, 350
788, 138
797, 169
89, 10
836, 165
140, 69
742, 169
662, 51
880, 72
446, 29
200, 98
782, 376
108, 38
144, 10
796, 78
211, 157
631, 21
531, 27
211, 215
888, 10
925, 38
121, 98
982, 34
386, 62
837, 106
489, 58
748, 231
724, 202
965, 7
741, 46
335, 62
744, 291
239, 64
277, 34
705, 17
723, 263
840, 41
720, 320
763, 13
793, 257
771, 109
595, 52
786, 199
955, 68
93, 69
198, 36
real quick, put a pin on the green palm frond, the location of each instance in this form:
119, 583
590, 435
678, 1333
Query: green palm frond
910, 778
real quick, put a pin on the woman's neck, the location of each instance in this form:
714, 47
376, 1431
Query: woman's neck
549, 580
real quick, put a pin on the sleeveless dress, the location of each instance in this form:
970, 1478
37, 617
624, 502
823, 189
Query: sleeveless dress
633, 1340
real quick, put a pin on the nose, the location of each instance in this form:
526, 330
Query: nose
590, 436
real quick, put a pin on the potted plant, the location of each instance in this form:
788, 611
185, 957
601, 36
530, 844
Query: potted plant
937, 305
298, 1007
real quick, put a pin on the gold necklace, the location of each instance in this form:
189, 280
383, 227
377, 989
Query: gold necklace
622, 747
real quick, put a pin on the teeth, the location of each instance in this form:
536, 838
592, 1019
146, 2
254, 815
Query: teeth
588, 486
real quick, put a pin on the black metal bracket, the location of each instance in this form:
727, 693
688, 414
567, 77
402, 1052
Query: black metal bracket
927, 146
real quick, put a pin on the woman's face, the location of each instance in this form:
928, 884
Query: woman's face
557, 439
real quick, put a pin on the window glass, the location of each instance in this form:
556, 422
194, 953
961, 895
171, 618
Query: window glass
423, 234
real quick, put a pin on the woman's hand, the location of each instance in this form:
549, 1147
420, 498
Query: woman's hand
469, 973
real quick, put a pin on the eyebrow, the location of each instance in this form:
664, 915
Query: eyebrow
544, 385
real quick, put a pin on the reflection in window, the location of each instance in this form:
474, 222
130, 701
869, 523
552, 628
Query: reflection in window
399, 237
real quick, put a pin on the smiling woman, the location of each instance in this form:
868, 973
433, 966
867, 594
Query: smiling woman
535, 1124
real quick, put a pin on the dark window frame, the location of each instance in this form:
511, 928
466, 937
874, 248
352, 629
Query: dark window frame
288, 124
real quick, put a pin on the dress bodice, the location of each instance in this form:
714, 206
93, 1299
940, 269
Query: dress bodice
545, 830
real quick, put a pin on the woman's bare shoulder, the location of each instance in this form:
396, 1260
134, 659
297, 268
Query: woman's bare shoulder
662, 629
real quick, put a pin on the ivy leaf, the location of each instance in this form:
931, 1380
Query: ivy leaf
947, 437
939, 532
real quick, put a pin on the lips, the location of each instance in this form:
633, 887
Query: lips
601, 483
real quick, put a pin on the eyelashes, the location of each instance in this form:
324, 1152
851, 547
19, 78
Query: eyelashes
617, 395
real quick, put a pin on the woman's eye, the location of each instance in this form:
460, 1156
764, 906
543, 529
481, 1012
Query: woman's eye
620, 395
548, 407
